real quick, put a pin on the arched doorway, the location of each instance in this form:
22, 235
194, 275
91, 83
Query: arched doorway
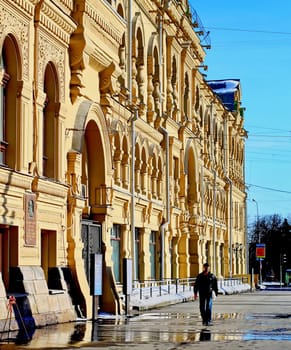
93, 181
91, 173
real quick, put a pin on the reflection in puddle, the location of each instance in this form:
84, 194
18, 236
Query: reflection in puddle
269, 316
156, 328
78, 334
276, 334
205, 335
228, 316
170, 315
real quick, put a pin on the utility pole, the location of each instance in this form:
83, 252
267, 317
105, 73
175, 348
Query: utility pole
259, 232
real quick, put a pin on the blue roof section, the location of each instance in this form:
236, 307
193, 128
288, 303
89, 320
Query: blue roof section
226, 90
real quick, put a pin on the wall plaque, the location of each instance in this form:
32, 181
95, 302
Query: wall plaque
30, 219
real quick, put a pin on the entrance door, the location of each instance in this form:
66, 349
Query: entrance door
48, 250
8, 251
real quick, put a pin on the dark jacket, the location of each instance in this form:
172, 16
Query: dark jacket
205, 284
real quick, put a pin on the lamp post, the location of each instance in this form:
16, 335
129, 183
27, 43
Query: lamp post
257, 219
260, 260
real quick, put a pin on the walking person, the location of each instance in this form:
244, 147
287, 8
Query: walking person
205, 285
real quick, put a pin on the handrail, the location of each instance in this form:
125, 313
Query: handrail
150, 288
153, 288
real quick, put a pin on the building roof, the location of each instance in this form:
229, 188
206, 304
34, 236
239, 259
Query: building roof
228, 91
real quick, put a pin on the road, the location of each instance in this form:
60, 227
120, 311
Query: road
258, 320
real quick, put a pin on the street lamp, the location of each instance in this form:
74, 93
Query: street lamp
260, 260
257, 219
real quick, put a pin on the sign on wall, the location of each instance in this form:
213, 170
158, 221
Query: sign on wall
30, 219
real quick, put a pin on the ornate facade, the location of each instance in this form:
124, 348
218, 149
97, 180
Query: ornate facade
113, 142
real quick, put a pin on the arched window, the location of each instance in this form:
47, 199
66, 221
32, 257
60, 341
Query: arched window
117, 160
9, 71
144, 172
140, 68
120, 10
160, 179
174, 88
156, 82
50, 130
137, 167
125, 164
154, 175
186, 97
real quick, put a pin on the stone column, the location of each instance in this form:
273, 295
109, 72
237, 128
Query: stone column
184, 268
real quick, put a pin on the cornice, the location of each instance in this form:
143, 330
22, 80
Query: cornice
109, 28
27, 6
14, 179
56, 22
149, 10
46, 186
182, 23
67, 6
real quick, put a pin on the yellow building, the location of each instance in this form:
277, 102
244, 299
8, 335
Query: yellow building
113, 142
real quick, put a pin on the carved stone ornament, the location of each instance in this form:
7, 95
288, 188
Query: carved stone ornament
106, 84
49, 52
10, 24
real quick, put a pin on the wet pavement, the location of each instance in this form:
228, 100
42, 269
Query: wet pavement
259, 320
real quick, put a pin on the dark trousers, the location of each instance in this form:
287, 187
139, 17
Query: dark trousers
205, 303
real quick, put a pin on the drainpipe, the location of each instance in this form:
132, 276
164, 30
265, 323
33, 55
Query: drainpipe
214, 186
230, 225
129, 55
161, 60
202, 193
214, 223
246, 223
246, 241
167, 219
133, 120
230, 195
35, 81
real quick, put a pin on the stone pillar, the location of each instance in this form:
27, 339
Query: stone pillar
137, 175
167, 257
175, 256
144, 254
217, 260
184, 268
193, 255
125, 170
117, 164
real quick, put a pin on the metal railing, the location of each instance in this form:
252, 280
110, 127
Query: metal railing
154, 288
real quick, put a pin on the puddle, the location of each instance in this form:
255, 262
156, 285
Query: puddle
159, 327
269, 316
278, 335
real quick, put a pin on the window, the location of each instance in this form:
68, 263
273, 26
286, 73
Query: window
3, 94
9, 90
50, 113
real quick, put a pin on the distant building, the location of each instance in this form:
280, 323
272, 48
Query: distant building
114, 143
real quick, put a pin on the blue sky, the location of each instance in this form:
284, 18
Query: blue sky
251, 41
